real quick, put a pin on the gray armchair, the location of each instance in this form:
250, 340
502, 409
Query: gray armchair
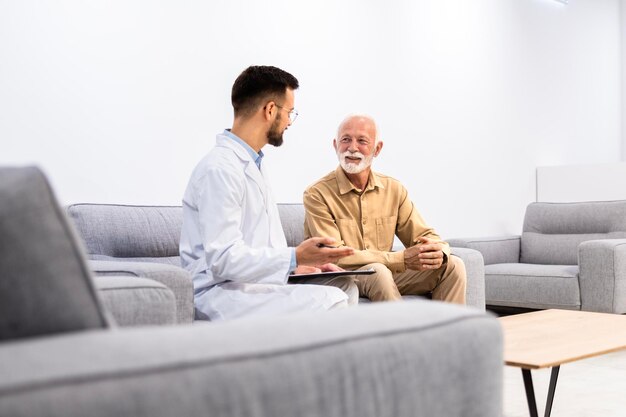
570, 256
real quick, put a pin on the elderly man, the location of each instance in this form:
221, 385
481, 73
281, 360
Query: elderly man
232, 241
364, 210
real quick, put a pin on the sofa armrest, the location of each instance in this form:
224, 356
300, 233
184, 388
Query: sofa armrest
495, 250
475, 270
602, 275
417, 358
136, 301
175, 278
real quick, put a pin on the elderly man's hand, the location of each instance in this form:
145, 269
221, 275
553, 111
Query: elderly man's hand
425, 255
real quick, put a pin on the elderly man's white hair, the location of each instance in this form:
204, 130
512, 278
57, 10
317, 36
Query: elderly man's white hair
359, 116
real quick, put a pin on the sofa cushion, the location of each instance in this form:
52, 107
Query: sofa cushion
45, 285
176, 279
137, 301
151, 233
553, 231
532, 286
384, 360
128, 231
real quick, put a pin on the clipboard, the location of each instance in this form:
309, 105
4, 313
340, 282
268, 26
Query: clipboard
332, 274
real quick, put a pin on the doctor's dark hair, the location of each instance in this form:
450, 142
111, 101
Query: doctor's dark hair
257, 84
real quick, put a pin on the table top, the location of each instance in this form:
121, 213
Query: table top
548, 338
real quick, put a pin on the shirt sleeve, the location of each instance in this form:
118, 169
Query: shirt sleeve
319, 222
411, 224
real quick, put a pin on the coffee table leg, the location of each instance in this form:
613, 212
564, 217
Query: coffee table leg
530, 391
553, 377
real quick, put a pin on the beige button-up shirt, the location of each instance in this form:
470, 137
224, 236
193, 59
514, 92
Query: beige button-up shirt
366, 220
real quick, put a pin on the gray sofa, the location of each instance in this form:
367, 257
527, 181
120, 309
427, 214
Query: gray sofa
569, 256
131, 240
62, 356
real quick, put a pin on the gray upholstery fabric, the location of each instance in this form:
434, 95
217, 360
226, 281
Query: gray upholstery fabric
495, 250
128, 231
292, 219
175, 278
588, 236
532, 286
100, 224
383, 360
45, 286
603, 275
166, 260
137, 301
553, 231
474, 266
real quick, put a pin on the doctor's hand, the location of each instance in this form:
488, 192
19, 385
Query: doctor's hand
425, 255
305, 269
311, 251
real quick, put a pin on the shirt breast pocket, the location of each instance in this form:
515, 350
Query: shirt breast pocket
385, 232
349, 232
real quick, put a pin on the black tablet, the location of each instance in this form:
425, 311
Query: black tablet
331, 274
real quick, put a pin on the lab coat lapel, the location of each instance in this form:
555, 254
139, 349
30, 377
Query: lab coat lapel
277, 236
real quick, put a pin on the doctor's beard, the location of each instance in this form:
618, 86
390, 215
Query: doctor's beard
274, 137
352, 168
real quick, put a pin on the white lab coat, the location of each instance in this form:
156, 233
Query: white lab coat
233, 244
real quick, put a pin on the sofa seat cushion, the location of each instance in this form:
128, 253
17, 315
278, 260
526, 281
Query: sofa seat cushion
532, 286
137, 301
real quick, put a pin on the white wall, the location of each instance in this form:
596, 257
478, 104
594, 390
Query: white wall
117, 100
623, 56
594, 182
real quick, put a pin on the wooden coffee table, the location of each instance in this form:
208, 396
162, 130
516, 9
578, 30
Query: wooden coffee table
550, 338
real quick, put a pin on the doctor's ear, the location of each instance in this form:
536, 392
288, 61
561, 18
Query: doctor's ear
269, 109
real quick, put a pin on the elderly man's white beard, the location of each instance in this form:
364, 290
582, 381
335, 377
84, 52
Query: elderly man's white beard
351, 167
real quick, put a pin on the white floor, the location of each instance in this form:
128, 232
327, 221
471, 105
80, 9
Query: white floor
589, 387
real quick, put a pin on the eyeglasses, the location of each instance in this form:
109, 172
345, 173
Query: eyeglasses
293, 114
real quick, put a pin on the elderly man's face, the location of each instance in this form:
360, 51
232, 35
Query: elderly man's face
356, 145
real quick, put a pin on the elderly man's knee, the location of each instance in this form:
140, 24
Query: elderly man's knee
379, 286
381, 271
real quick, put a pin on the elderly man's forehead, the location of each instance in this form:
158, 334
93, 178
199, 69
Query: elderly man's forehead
358, 123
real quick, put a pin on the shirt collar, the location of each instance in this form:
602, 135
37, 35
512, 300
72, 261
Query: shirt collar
256, 157
345, 186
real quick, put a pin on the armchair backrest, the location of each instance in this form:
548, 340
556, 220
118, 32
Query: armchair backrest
151, 233
45, 284
553, 231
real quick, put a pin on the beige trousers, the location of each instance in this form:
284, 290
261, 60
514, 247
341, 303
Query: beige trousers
447, 283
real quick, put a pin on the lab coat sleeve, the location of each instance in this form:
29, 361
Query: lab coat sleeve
220, 196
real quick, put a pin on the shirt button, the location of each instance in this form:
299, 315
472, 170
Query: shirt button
364, 221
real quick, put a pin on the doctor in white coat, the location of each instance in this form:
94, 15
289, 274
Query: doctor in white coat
232, 241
